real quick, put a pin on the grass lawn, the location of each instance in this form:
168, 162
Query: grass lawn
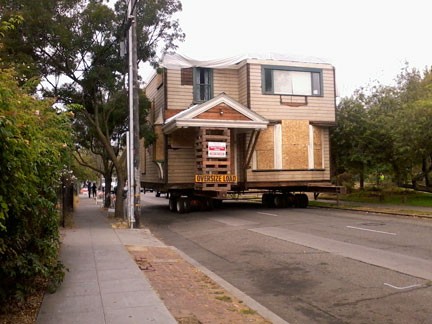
397, 196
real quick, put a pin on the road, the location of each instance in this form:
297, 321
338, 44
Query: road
310, 265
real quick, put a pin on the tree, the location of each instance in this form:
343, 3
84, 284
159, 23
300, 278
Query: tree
77, 42
387, 129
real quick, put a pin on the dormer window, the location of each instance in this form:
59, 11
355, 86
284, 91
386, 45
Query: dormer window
292, 81
203, 84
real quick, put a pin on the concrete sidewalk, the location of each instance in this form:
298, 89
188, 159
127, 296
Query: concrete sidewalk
103, 284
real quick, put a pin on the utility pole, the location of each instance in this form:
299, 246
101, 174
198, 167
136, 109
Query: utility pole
134, 190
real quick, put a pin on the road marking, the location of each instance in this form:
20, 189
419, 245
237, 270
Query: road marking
370, 230
268, 214
402, 288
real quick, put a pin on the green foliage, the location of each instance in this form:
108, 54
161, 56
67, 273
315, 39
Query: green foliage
386, 129
34, 145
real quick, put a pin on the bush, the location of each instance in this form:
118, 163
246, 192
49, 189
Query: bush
33, 151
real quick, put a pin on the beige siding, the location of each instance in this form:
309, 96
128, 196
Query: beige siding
179, 97
181, 165
155, 93
317, 109
286, 176
242, 81
151, 174
226, 80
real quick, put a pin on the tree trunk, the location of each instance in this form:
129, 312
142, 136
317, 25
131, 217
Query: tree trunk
119, 207
107, 193
361, 175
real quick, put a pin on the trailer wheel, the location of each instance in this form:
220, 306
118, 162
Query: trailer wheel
207, 204
302, 200
267, 200
291, 200
280, 201
172, 204
183, 205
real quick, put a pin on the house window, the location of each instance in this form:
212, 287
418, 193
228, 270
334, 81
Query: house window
203, 84
292, 81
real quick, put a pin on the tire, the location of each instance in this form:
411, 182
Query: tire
183, 205
302, 200
207, 204
267, 200
280, 201
172, 204
291, 200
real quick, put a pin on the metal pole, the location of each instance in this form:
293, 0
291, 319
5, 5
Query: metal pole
134, 117
136, 156
130, 137
129, 183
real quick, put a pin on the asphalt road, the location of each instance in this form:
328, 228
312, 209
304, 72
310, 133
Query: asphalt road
310, 265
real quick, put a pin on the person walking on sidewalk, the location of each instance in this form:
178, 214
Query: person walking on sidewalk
94, 189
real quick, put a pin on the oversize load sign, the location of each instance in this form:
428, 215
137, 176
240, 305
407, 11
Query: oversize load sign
216, 178
217, 149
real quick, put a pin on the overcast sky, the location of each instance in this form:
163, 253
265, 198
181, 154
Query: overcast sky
365, 40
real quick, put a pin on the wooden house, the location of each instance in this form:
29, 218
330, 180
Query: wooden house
256, 122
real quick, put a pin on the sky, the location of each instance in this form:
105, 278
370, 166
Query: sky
366, 41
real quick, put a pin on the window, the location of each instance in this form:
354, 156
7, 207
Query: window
292, 81
203, 84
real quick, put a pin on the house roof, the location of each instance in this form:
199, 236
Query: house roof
221, 111
179, 61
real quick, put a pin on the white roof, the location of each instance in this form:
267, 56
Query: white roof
179, 61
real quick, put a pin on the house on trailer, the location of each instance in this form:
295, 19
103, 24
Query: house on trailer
256, 122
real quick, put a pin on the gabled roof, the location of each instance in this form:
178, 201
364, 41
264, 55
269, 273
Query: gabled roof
221, 111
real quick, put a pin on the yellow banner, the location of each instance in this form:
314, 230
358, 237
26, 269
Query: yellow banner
215, 178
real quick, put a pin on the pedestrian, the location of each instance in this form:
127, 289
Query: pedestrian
94, 189
89, 188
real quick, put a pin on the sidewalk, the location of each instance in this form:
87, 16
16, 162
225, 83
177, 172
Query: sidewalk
103, 284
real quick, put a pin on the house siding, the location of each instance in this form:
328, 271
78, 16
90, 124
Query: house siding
318, 108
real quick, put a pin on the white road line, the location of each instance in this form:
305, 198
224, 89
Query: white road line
268, 214
370, 230
402, 288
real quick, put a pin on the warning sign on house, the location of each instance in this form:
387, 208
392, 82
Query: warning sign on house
217, 150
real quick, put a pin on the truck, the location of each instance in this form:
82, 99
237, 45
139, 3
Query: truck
251, 123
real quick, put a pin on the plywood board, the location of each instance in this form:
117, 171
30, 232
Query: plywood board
182, 138
295, 140
318, 148
159, 145
265, 149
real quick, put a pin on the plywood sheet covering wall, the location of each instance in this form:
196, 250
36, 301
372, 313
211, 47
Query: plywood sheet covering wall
183, 138
159, 146
318, 147
295, 140
226, 80
264, 149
